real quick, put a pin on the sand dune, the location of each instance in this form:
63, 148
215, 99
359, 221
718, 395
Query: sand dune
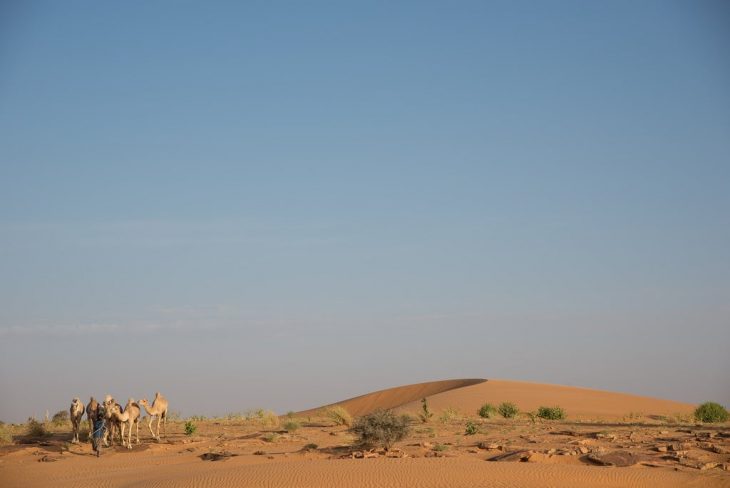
467, 395
396, 397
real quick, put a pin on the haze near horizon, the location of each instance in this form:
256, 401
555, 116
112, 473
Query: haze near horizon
283, 205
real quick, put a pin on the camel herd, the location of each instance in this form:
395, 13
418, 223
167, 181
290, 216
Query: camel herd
117, 419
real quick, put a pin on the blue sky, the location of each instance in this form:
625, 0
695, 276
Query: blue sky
285, 204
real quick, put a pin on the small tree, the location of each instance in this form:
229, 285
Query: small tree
190, 428
508, 410
381, 428
61, 417
426, 413
711, 412
471, 428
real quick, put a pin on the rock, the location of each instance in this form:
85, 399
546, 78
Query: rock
217, 456
615, 458
583, 449
725, 466
489, 445
513, 456
47, 459
661, 448
427, 445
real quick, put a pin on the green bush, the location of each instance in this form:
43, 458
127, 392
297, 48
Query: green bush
339, 415
292, 426
36, 429
190, 428
711, 412
508, 410
5, 436
381, 428
551, 413
471, 428
487, 411
449, 414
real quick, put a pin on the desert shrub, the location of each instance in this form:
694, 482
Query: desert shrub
339, 415
487, 411
35, 428
425, 413
197, 418
174, 416
508, 410
292, 426
290, 414
190, 428
449, 414
271, 437
471, 428
440, 447
5, 436
711, 412
551, 413
381, 428
60, 418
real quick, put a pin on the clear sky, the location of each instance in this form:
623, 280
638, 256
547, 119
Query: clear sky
280, 205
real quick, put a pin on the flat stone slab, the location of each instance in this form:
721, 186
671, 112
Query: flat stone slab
513, 456
615, 458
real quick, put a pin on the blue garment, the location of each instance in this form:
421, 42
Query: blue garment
98, 428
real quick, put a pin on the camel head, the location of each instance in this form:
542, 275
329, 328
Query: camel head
144, 402
76, 401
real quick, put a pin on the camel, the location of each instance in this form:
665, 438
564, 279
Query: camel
112, 425
158, 409
76, 413
91, 410
128, 418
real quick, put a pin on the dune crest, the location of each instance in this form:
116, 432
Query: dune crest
467, 395
396, 397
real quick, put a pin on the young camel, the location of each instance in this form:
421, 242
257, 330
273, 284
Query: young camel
91, 409
158, 409
76, 413
128, 418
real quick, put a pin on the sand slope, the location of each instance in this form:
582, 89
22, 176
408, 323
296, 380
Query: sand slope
395, 397
579, 403
467, 395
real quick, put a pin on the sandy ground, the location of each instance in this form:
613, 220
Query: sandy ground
503, 453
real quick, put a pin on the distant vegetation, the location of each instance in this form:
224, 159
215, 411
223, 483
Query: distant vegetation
36, 429
292, 426
487, 411
508, 410
60, 418
711, 412
339, 415
471, 428
551, 413
381, 428
425, 414
449, 414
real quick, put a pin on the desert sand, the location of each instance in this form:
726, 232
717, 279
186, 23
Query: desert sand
663, 448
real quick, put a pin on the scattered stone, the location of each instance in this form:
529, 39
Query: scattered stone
427, 445
583, 449
47, 459
663, 432
369, 455
513, 456
661, 448
725, 466
259, 453
217, 456
615, 458
489, 445
269, 457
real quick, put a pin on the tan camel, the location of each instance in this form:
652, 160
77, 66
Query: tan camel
128, 418
91, 410
76, 413
112, 425
159, 410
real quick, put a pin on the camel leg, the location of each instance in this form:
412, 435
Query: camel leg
152, 417
129, 437
137, 422
159, 419
91, 430
164, 425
